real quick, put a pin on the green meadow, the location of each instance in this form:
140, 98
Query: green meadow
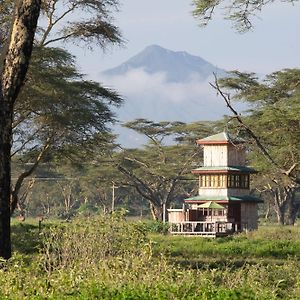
107, 257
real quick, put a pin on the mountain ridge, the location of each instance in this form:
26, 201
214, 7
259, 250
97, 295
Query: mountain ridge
178, 66
164, 85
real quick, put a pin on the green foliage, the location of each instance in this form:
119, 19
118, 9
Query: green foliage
86, 243
87, 209
95, 28
65, 108
274, 119
156, 227
161, 171
270, 242
240, 12
62, 117
106, 257
25, 238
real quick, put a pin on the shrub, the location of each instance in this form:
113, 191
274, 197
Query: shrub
105, 257
86, 242
156, 227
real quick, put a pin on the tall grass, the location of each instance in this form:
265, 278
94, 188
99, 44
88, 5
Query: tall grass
108, 258
267, 243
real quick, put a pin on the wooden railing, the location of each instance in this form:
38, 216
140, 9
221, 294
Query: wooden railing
211, 229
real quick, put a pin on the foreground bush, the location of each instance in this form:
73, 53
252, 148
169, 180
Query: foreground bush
107, 258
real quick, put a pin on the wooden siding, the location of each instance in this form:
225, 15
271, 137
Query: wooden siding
237, 192
215, 155
176, 215
223, 192
213, 192
249, 215
224, 155
236, 155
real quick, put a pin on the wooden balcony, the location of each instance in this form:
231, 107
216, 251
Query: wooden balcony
206, 229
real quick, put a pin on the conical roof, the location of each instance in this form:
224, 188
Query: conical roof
212, 205
220, 138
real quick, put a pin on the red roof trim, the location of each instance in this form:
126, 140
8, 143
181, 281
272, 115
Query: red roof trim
203, 142
204, 201
211, 171
208, 172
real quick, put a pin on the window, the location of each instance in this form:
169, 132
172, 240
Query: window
223, 181
238, 181
212, 181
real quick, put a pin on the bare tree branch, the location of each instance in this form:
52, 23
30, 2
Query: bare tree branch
21, 178
261, 147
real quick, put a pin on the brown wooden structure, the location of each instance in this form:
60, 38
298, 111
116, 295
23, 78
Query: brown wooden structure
223, 205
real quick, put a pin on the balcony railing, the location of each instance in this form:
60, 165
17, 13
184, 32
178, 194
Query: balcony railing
212, 229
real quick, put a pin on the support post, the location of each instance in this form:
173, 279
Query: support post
164, 213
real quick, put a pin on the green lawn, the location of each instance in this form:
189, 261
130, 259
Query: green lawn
269, 243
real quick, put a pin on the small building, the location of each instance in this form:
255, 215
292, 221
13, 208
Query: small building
223, 205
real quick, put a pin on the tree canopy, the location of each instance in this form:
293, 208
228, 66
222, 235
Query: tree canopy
274, 123
18, 21
240, 12
161, 171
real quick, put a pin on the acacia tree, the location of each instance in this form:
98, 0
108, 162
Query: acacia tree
240, 12
62, 22
158, 172
13, 68
64, 110
273, 124
50, 79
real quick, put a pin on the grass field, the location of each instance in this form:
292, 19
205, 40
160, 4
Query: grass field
110, 258
266, 245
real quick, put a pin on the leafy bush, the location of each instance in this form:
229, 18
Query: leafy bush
156, 227
87, 242
106, 257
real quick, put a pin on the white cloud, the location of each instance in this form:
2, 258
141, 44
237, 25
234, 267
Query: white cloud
151, 96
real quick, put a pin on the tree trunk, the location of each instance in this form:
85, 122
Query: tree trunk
293, 208
157, 212
268, 209
279, 204
5, 172
14, 65
280, 217
284, 204
15, 191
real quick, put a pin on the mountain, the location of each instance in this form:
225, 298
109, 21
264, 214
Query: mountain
178, 66
164, 85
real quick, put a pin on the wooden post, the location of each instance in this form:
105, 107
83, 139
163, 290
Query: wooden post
113, 198
164, 213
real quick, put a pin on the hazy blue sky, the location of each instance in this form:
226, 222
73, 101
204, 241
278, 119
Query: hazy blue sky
273, 44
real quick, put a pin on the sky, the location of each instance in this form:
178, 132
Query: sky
272, 45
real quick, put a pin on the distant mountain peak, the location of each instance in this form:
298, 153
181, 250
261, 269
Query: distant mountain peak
178, 66
155, 47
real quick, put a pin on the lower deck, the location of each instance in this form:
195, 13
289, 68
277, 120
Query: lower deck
206, 229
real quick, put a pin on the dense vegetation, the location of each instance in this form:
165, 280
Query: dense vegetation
53, 123
107, 257
59, 117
